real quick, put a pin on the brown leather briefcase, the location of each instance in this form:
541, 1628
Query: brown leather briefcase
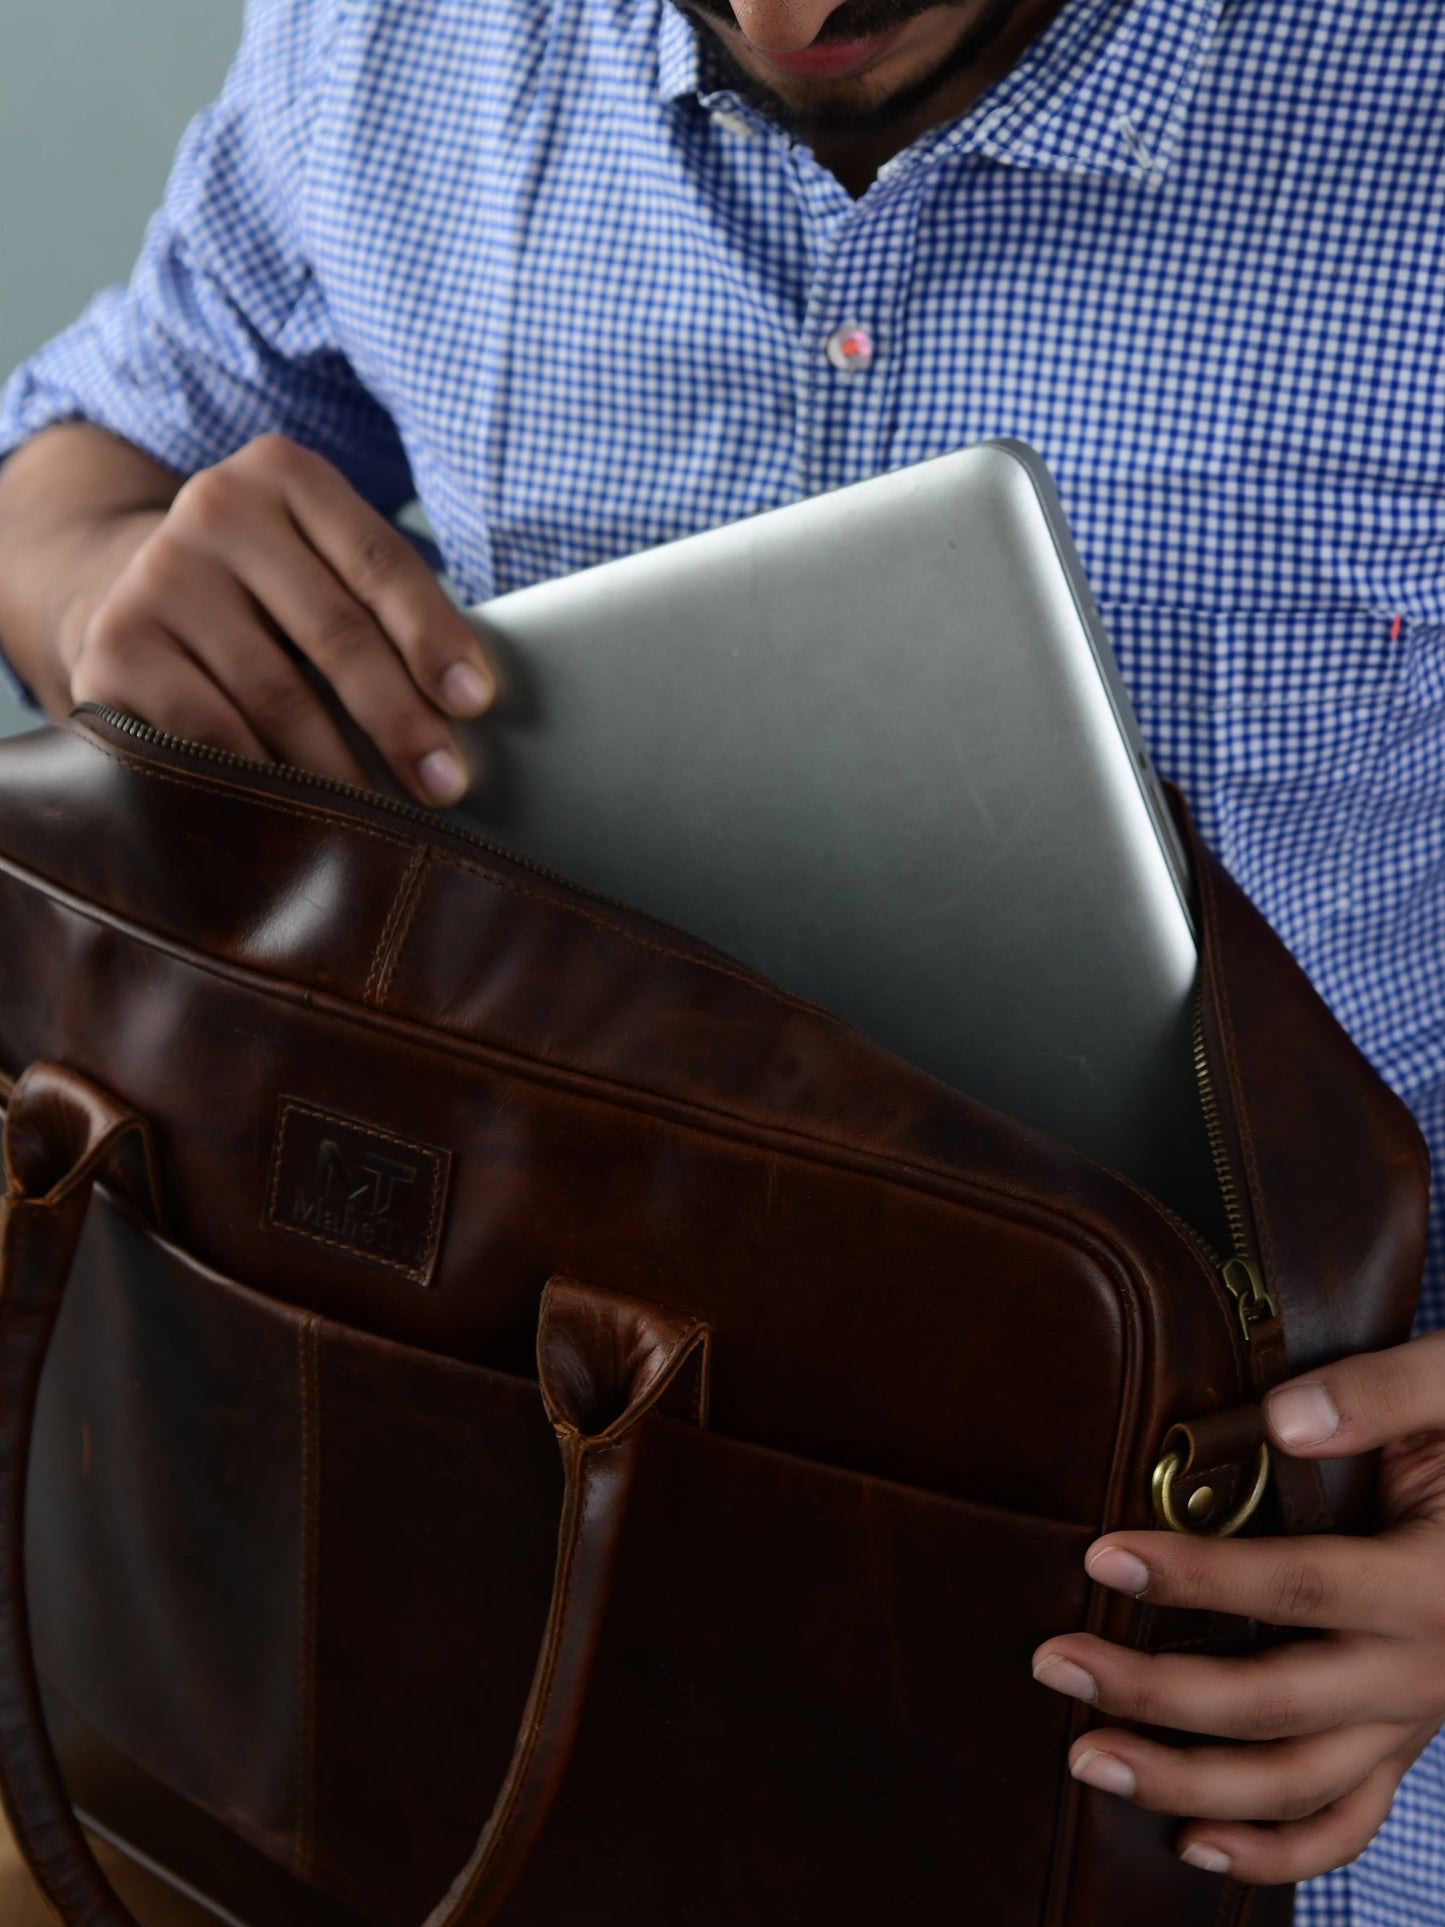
381, 1165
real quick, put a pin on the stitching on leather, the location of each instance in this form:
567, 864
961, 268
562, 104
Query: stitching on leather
693, 1338
699, 1362
273, 1188
308, 813
699, 1380
398, 922
757, 984
404, 928
520, 1775
309, 1377
1201, 1474
272, 1221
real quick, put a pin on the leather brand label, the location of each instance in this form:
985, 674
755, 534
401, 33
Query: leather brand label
358, 1188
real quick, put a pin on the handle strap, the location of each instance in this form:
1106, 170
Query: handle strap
604, 1362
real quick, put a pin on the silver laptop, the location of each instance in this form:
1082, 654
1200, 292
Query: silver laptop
874, 744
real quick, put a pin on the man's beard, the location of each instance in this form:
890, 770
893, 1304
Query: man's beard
853, 20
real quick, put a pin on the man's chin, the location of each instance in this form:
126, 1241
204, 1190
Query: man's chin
856, 105
862, 103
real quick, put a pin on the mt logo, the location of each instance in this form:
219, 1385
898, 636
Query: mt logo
356, 1187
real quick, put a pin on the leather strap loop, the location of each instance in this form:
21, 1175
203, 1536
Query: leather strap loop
604, 1362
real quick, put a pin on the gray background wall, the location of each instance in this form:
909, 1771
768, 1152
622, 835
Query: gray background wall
94, 95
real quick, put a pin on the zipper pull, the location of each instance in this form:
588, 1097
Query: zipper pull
1245, 1285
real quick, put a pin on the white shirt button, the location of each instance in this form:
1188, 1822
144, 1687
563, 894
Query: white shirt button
850, 348
732, 123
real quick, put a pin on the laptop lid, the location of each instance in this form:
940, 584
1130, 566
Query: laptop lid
875, 745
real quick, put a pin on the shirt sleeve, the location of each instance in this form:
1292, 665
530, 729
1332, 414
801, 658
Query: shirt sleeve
223, 332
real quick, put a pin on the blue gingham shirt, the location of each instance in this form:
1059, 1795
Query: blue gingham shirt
532, 261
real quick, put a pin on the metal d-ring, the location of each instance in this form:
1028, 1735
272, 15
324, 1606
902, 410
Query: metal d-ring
1172, 1463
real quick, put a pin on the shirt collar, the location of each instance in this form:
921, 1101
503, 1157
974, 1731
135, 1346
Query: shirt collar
679, 58
1104, 90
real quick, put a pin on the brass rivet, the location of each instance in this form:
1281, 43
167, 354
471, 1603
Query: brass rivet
1200, 1502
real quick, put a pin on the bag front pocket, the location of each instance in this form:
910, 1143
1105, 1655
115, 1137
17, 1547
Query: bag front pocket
185, 1509
813, 1702
300, 1573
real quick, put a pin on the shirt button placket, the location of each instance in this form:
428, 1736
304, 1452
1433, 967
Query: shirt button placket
843, 410
843, 362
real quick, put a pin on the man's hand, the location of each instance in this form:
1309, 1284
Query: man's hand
178, 611
1321, 1730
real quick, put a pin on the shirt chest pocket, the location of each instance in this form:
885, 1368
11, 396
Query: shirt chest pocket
1276, 725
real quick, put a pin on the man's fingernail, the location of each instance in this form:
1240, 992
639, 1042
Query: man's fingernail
1302, 1414
465, 690
1102, 1770
1112, 1566
442, 776
1065, 1677
1208, 1859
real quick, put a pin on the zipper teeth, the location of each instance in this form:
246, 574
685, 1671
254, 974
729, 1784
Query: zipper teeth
1214, 1127
132, 726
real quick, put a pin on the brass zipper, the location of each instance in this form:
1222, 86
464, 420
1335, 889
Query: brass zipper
1243, 1281
1240, 1272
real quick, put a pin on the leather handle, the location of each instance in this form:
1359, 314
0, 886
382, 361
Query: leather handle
604, 1362
59, 1131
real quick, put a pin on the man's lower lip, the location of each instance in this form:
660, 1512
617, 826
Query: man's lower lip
833, 60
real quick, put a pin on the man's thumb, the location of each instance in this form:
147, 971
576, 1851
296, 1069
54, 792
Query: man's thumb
1360, 1402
